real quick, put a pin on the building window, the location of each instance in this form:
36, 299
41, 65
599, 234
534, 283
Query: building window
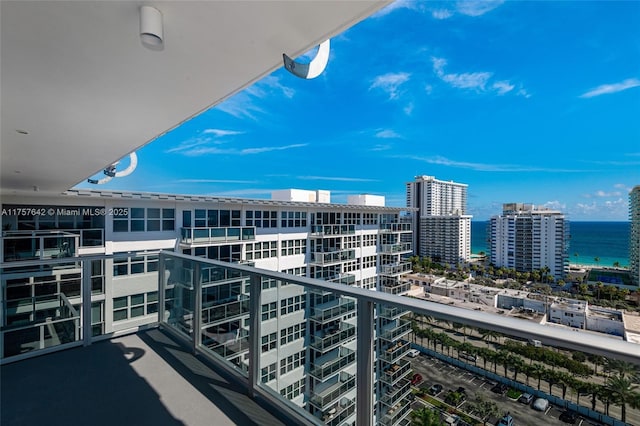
135, 305
268, 373
293, 219
293, 247
269, 310
294, 361
262, 218
135, 265
295, 332
261, 250
138, 219
293, 390
269, 342
292, 304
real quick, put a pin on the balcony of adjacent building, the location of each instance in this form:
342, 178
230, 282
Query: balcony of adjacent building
395, 269
332, 310
393, 352
395, 330
334, 256
392, 374
332, 363
332, 230
395, 228
20, 246
400, 248
394, 415
194, 237
332, 336
392, 395
328, 393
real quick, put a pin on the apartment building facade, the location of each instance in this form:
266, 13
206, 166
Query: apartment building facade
442, 225
634, 237
308, 338
528, 238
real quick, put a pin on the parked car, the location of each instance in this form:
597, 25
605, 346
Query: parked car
526, 398
417, 378
499, 388
569, 416
540, 404
461, 390
414, 353
468, 356
435, 389
506, 420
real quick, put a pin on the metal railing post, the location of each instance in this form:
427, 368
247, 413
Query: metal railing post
86, 303
254, 333
197, 306
161, 286
364, 368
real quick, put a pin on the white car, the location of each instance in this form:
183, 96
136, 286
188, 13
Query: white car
540, 404
414, 353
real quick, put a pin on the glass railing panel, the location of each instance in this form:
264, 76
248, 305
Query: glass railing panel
179, 295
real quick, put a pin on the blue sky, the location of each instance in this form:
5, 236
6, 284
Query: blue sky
535, 102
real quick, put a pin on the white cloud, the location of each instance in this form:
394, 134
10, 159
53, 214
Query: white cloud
477, 81
408, 109
267, 86
609, 210
254, 192
606, 89
221, 132
503, 87
477, 7
555, 205
607, 194
244, 104
387, 134
214, 181
197, 151
338, 179
390, 83
485, 167
381, 147
441, 13
270, 148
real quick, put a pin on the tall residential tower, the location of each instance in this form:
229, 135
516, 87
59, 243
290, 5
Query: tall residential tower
528, 238
442, 226
634, 238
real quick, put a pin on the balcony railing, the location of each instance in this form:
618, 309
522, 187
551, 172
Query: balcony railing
391, 312
332, 257
331, 230
395, 248
38, 245
331, 363
340, 412
235, 343
395, 372
332, 310
202, 236
394, 352
393, 394
332, 337
395, 227
330, 394
395, 268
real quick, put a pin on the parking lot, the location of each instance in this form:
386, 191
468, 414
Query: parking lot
435, 371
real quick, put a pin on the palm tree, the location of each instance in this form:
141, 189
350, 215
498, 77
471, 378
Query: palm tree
425, 417
489, 335
623, 390
616, 264
623, 368
597, 260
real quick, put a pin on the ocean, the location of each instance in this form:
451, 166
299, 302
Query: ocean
608, 241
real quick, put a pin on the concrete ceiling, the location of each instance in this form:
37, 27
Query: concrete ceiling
75, 76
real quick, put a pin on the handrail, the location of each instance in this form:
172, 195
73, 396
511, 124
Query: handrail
554, 336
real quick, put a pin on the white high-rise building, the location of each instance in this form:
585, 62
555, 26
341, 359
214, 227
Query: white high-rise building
634, 238
529, 238
441, 223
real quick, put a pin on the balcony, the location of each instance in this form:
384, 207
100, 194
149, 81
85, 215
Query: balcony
396, 286
332, 310
332, 362
395, 269
332, 337
347, 279
395, 372
325, 258
38, 245
332, 230
394, 394
337, 414
395, 227
394, 331
329, 394
396, 413
224, 311
392, 312
192, 237
400, 248
393, 353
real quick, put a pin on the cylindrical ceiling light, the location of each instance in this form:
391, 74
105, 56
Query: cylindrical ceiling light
151, 33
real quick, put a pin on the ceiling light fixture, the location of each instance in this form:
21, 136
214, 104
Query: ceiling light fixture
151, 33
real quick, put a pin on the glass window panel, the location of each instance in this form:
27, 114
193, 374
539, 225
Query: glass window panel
169, 213
120, 225
137, 225
120, 302
137, 213
153, 213
153, 225
137, 299
120, 315
137, 311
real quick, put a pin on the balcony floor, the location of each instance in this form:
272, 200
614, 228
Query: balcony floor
143, 379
